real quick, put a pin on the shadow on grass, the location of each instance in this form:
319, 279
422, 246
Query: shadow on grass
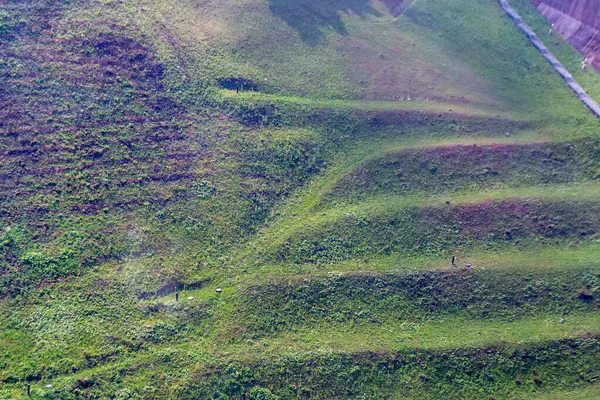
312, 18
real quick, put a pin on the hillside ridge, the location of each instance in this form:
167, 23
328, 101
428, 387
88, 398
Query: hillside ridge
283, 199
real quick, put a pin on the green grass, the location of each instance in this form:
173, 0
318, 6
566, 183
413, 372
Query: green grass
540, 258
366, 151
580, 394
448, 334
128, 171
352, 58
426, 106
327, 221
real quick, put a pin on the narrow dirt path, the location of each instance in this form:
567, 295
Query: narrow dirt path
576, 87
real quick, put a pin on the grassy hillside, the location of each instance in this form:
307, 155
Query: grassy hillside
262, 199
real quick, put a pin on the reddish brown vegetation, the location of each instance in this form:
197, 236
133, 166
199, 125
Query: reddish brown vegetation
517, 218
88, 118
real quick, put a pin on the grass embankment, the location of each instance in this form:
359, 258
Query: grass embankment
130, 172
413, 225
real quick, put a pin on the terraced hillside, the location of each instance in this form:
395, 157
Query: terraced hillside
277, 199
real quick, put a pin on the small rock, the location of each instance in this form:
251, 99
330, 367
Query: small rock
219, 290
48, 386
562, 321
148, 326
191, 298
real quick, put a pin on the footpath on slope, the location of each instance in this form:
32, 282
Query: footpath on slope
576, 87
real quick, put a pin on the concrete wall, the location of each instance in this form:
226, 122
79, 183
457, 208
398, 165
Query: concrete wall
535, 40
578, 21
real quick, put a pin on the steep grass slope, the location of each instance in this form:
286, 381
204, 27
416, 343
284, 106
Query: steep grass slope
262, 199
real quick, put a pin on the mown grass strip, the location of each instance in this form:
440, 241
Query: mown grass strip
429, 106
542, 258
452, 332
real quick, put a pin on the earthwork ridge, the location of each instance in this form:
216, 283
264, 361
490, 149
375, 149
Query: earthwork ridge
169, 234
